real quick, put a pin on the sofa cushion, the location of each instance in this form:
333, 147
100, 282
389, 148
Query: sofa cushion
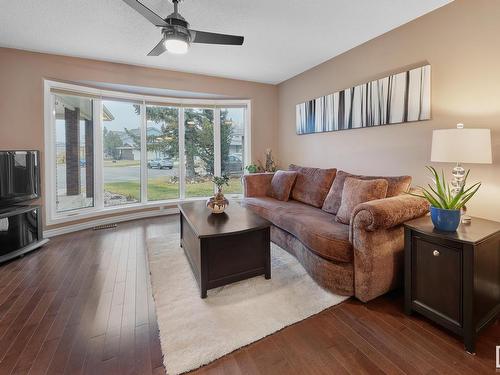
282, 184
256, 184
358, 191
396, 186
266, 207
315, 228
312, 184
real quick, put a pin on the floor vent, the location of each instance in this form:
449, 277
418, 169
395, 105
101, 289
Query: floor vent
105, 226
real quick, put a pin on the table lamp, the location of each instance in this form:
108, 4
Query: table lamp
459, 146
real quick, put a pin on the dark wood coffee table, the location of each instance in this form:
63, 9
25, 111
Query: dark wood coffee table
224, 248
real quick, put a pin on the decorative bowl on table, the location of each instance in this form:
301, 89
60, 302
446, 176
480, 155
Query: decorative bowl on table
218, 203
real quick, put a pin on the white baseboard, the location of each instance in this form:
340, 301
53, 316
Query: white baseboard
108, 220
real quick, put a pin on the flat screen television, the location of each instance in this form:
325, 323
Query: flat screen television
19, 176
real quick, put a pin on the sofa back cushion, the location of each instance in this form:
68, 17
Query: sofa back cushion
358, 191
282, 184
312, 184
396, 186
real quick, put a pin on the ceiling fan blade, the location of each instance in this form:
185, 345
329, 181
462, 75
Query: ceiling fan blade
159, 49
146, 12
214, 38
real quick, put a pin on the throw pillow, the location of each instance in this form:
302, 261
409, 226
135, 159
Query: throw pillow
397, 185
282, 184
312, 184
358, 191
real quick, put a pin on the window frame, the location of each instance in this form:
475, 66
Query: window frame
53, 217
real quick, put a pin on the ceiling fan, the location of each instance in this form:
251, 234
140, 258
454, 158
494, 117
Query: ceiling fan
177, 36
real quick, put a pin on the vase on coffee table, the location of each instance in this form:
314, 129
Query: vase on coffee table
218, 203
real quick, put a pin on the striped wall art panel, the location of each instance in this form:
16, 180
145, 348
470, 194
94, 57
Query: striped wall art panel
401, 97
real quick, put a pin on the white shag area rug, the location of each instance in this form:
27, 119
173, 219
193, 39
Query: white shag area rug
195, 331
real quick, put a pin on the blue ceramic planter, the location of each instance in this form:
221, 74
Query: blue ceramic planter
445, 220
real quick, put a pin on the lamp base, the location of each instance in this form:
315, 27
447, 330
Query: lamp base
458, 178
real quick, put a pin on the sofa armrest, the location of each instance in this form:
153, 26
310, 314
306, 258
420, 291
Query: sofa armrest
388, 212
256, 184
377, 236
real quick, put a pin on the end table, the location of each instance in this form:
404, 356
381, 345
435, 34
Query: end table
454, 278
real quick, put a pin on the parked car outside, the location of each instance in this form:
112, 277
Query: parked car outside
164, 163
234, 164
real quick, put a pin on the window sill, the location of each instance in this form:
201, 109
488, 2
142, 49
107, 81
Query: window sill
64, 218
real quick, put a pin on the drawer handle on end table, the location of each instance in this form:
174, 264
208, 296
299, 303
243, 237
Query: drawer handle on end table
436, 253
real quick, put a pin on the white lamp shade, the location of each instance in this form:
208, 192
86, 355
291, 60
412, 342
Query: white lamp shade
461, 146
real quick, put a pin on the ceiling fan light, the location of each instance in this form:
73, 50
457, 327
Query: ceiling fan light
177, 46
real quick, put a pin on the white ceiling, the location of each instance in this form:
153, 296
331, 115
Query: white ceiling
282, 37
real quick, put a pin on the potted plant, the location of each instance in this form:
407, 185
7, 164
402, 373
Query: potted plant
270, 165
253, 168
218, 203
446, 206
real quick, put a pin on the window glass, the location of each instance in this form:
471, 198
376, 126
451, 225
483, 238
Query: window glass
121, 139
232, 145
199, 151
74, 132
163, 152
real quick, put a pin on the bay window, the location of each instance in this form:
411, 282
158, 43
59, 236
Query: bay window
110, 151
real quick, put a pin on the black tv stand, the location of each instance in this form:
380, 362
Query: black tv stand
20, 231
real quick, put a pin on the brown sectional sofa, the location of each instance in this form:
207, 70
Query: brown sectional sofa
362, 259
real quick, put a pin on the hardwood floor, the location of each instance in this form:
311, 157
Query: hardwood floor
83, 305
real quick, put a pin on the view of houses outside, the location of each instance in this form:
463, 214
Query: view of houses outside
121, 153
122, 156
163, 152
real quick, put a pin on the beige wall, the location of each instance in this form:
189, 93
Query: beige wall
21, 93
461, 42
